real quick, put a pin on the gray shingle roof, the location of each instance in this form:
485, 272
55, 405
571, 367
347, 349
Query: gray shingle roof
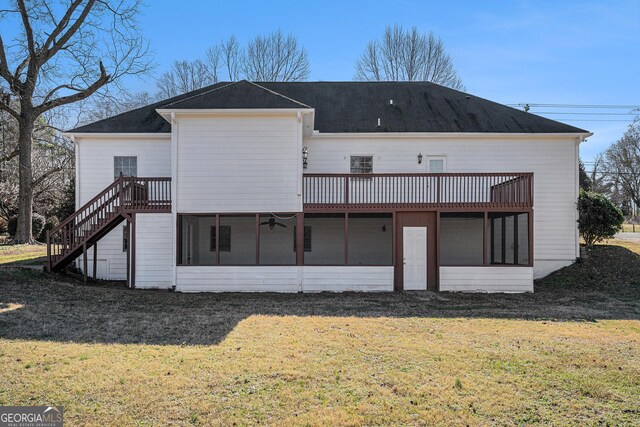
348, 107
239, 95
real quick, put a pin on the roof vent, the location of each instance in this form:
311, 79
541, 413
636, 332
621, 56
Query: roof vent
391, 102
378, 121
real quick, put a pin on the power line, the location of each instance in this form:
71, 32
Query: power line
597, 120
583, 113
601, 106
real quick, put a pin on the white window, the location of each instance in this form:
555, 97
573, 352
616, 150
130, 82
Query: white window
437, 164
361, 164
127, 165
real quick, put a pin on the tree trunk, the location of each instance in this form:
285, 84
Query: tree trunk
25, 193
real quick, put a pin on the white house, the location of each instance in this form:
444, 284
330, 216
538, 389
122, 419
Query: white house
323, 186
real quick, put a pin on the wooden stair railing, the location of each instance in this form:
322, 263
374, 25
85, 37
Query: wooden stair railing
102, 213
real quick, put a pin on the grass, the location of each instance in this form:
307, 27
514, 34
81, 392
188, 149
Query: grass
22, 254
630, 228
568, 354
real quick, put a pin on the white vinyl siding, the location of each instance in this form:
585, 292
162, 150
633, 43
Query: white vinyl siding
95, 171
154, 251
486, 279
348, 278
552, 160
284, 279
239, 164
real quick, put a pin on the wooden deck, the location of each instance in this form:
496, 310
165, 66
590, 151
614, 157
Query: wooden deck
435, 191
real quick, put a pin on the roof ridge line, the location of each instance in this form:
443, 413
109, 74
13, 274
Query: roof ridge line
201, 93
278, 94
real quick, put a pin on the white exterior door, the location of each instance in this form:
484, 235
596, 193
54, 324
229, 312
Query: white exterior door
414, 249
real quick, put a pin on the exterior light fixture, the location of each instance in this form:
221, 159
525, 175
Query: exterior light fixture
420, 158
305, 156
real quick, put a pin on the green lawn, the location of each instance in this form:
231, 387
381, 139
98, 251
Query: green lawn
22, 254
568, 354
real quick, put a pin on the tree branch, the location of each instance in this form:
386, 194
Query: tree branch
61, 25
27, 28
102, 80
4, 66
57, 45
57, 88
10, 156
9, 110
46, 175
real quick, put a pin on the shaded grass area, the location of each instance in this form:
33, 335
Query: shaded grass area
568, 354
22, 254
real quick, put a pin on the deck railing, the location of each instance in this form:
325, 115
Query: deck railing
418, 190
125, 195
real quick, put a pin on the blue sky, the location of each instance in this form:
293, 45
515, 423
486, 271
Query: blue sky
545, 52
540, 52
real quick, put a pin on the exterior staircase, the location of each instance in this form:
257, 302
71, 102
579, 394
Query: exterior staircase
120, 201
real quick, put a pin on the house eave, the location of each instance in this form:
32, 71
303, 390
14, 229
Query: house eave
581, 136
166, 112
112, 135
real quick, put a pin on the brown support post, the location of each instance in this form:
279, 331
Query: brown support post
437, 251
504, 239
217, 239
515, 239
485, 254
121, 192
48, 252
133, 251
492, 240
300, 238
84, 262
393, 238
346, 191
530, 223
346, 238
257, 239
95, 259
128, 231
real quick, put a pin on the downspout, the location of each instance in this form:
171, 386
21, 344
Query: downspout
300, 170
174, 199
76, 145
577, 192
77, 181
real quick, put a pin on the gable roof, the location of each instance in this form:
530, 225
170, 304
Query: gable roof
349, 107
237, 95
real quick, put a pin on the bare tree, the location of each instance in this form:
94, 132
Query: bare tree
183, 77
276, 57
599, 183
407, 56
102, 106
66, 52
52, 165
213, 61
621, 162
232, 57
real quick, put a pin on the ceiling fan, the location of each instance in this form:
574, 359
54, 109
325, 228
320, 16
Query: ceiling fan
272, 223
